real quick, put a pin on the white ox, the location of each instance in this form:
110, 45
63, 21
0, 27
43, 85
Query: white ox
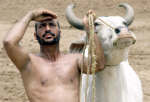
118, 82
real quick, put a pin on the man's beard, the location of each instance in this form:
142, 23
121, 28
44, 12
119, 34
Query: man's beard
53, 42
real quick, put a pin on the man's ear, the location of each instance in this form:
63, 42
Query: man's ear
35, 36
60, 31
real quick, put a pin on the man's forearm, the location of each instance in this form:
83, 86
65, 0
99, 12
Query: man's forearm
16, 33
100, 59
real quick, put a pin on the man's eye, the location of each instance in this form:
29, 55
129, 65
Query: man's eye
42, 25
52, 24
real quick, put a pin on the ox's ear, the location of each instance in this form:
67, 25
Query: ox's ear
77, 47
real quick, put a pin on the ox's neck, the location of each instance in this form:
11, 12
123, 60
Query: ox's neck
116, 56
112, 86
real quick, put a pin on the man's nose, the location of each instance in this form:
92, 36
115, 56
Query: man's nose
47, 27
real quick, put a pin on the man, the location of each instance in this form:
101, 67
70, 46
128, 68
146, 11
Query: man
50, 76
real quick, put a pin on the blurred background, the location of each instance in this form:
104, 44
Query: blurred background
11, 11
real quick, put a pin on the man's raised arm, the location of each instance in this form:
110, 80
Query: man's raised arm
11, 42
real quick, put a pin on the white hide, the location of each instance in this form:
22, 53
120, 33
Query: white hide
118, 82
115, 84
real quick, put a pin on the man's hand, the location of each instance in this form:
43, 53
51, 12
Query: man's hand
86, 20
42, 14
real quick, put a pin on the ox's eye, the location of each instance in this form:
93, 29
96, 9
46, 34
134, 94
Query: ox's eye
117, 30
125, 23
96, 24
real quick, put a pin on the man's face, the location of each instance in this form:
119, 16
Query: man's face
48, 32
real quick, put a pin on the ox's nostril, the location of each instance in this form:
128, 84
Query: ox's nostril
117, 30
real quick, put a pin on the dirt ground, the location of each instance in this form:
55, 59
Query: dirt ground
11, 87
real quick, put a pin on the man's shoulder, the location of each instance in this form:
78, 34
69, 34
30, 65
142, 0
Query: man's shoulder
73, 55
34, 56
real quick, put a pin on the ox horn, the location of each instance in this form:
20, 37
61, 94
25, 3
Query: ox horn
129, 17
72, 19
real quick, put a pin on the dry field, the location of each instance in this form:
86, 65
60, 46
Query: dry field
11, 87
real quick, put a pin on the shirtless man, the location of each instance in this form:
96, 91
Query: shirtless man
49, 76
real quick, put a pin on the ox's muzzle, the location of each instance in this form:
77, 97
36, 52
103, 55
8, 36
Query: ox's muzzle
124, 40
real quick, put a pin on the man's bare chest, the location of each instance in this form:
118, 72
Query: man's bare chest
51, 73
